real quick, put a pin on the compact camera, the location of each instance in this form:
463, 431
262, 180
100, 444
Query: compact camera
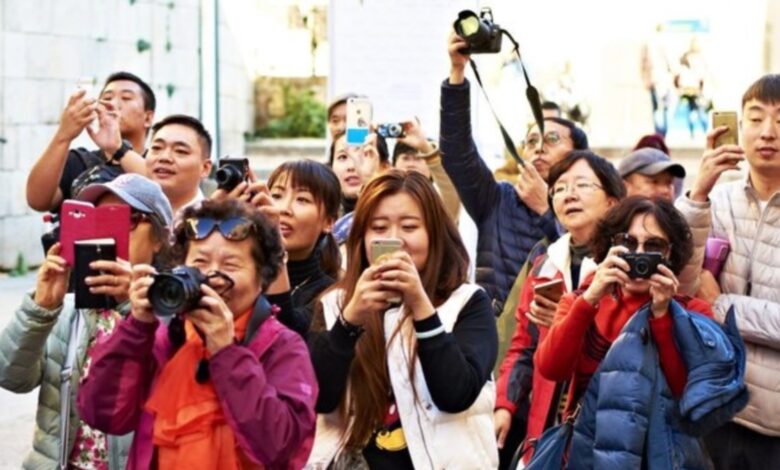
177, 291
232, 172
392, 130
480, 32
642, 265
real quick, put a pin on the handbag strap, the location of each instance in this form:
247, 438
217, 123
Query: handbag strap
66, 377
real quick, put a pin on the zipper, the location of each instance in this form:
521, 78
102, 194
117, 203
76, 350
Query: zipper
761, 214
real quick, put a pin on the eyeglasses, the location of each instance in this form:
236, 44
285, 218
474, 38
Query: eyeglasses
233, 229
652, 244
580, 187
550, 138
136, 218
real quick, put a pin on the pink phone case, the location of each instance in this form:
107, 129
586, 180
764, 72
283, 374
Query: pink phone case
81, 220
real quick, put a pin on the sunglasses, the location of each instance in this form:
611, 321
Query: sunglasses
233, 229
550, 138
652, 244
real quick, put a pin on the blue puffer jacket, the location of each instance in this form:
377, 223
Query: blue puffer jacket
507, 228
628, 413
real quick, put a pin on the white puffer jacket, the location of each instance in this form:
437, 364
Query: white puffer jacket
750, 281
436, 440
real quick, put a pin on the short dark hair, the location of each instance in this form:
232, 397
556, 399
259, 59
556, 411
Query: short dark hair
551, 106
579, 138
766, 89
608, 176
192, 123
400, 149
267, 248
671, 221
150, 102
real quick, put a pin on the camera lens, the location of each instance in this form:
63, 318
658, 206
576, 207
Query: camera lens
228, 177
642, 267
175, 292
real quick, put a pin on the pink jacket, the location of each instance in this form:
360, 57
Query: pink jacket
268, 391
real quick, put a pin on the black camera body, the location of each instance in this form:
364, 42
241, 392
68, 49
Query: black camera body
480, 32
642, 265
177, 291
232, 172
391, 130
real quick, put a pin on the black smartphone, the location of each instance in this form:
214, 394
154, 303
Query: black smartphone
87, 251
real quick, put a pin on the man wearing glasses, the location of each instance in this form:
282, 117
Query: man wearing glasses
510, 218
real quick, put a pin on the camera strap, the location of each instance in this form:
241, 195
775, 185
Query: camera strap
531, 94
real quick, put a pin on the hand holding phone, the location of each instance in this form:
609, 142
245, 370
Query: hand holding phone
359, 115
552, 290
381, 249
87, 253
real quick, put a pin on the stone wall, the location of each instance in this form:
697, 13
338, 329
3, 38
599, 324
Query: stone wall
48, 46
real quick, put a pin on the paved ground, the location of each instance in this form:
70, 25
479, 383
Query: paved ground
17, 412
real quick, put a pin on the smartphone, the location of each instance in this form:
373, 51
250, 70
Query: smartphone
87, 251
89, 85
729, 119
81, 220
358, 120
552, 290
382, 248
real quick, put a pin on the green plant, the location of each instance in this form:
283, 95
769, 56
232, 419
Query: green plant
21, 267
143, 45
304, 116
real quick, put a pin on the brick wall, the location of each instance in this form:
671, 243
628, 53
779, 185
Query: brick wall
47, 46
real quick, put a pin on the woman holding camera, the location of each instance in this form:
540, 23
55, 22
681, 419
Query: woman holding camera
48, 339
234, 389
583, 187
404, 346
625, 342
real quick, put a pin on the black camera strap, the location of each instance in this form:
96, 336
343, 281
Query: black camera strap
531, 93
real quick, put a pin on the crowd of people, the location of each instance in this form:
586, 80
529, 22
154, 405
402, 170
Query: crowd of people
594, 309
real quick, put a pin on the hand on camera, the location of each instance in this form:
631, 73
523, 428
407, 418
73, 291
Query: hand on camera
114, 279
142, 279
52, 281
399, 274
663, 286
214, 319
458, 60
253, 192
415, 137
108, 137
713, 163
613, 270
78, 113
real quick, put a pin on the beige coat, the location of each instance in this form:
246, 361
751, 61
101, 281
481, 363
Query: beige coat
750, 281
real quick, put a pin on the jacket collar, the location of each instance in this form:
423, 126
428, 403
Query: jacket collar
558, 261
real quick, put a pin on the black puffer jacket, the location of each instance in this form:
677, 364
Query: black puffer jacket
507, 228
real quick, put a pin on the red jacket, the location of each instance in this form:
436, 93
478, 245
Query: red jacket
581, 335
267, 389
517, 375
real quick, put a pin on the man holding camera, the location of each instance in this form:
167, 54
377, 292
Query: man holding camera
746, 213
179, 158
124, 112
510, 219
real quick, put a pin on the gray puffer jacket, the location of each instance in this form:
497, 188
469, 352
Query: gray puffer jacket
33, 347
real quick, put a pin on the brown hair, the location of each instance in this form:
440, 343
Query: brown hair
267, 249
446, 268
766, 90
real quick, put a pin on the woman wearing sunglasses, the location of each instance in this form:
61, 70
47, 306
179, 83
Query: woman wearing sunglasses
49, 339
583, 187
235, 389
404, 347
631, 342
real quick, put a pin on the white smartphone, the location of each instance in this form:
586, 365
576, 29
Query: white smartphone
358, 120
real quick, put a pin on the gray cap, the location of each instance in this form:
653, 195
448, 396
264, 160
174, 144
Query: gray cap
649, 161
139, 192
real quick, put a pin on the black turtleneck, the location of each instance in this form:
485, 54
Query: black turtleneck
348, 204
307, 281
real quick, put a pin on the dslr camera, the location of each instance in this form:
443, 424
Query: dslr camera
177, 291
391, 130
642, 265
232, 172
480, 32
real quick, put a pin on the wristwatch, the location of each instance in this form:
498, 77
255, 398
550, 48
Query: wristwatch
121, 151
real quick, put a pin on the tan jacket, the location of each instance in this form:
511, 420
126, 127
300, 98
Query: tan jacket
750, 281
